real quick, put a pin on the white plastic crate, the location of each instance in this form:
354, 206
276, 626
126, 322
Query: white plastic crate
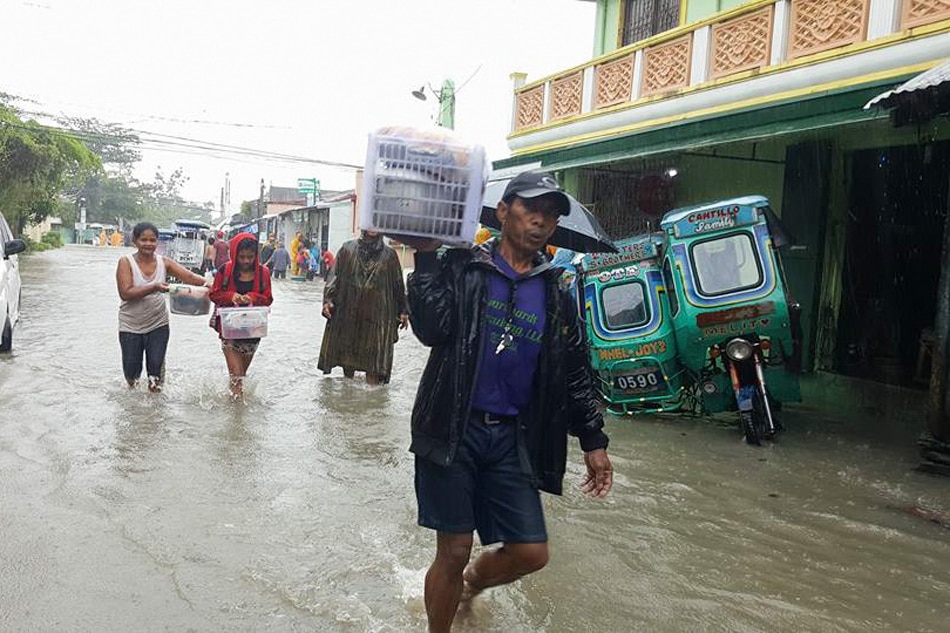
423, 183
237, 323
191, 300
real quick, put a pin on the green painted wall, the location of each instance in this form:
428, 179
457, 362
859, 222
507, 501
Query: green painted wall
699, 9
609, 14
707, 178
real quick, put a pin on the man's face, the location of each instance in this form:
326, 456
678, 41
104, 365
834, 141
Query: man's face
372, 236
528, 223
245, 259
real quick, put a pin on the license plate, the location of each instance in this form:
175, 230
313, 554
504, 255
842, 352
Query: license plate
640, 382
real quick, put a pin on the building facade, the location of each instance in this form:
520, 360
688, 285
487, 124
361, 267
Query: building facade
767, 97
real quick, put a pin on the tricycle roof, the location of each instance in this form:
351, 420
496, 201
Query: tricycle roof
629, 250
192, 224
715, 216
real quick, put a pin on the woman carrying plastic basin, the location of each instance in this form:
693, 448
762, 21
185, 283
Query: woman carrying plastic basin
143, 313
240, 284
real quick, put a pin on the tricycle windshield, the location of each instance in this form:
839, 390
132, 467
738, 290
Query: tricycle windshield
726, 264
624, 305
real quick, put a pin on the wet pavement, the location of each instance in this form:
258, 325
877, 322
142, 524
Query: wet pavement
294, 511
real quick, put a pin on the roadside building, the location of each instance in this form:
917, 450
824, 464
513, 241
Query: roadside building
688, 102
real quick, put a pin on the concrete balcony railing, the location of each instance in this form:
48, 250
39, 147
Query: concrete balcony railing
729, 47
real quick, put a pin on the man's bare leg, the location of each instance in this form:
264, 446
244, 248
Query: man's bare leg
349, 372
444, 579
503, 565
373, 379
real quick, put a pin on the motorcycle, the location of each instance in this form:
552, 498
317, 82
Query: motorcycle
737, 325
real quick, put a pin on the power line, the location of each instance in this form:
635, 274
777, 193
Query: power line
185, 145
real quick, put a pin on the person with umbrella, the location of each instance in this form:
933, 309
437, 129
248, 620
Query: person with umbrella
504, 333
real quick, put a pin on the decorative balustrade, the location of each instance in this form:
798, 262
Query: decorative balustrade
748, 39
613, 81
666, 66
566, 95
818, 25
920, 12
529, 109
742, 43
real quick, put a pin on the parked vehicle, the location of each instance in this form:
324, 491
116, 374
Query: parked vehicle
165, 238
9, 284
188, 246
697, 316
737, 326
629, 329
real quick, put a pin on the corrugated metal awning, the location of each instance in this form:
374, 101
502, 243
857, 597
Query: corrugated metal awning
936, 76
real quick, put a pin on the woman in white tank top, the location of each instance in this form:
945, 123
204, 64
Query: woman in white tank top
143, 314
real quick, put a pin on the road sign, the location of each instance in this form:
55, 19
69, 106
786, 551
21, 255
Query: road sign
308, 185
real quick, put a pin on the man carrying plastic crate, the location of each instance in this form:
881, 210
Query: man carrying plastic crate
506, 382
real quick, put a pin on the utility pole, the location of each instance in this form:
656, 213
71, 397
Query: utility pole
447, 104
260, 201
227, 193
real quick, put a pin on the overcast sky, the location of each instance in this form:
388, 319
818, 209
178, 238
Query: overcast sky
305, 78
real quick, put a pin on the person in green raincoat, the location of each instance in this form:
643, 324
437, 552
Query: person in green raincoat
364, 302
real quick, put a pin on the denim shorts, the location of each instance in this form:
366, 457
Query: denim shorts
483, 489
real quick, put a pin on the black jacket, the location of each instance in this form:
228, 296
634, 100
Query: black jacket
447, 300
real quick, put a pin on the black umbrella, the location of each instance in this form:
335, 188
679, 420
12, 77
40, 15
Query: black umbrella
578, 231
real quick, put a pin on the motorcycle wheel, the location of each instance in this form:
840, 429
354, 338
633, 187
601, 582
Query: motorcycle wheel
755, 424
746, 420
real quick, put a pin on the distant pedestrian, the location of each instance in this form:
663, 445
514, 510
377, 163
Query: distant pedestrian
242, 282
222, 253
267, 249
365, 302
207, 262
143, 313
279, 261
303, 260
315, 261
294, 248
329, 261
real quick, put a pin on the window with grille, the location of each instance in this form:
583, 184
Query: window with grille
645, 18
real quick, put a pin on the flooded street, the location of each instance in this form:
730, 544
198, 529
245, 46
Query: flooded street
294, 511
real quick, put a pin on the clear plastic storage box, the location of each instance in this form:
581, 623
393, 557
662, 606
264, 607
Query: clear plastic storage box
243, 322
423, 183
190, 300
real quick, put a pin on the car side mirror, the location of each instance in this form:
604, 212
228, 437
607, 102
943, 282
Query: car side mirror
13, 247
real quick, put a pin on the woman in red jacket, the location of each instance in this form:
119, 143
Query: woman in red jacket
241, 282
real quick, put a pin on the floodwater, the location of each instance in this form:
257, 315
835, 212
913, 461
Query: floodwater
294, 511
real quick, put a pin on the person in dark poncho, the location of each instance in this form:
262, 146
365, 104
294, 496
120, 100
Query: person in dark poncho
365, 304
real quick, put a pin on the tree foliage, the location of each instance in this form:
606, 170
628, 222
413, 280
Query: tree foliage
47, 170
37, 163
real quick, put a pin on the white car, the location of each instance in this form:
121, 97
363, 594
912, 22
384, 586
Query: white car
9, 284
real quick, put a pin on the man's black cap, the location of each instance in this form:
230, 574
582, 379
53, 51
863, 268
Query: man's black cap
532, 184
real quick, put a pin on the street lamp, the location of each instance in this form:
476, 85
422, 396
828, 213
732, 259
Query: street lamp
446, 97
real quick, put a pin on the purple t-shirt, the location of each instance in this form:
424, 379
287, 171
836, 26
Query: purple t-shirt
504, 380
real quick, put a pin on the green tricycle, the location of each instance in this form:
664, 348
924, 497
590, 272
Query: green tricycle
629, 329
720, 311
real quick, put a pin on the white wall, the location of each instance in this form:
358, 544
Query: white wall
341, 225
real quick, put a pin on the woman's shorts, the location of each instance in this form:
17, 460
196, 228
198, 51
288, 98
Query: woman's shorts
242, 346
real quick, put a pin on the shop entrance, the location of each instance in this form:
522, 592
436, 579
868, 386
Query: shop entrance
897, 211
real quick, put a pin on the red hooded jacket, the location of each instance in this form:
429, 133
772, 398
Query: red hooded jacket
225, 282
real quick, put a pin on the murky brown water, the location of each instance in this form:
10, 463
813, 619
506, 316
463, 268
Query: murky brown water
121, 511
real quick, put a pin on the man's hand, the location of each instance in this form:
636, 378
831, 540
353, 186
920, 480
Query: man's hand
327, 310
161, 287
240, 299
600, 474
403, 321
